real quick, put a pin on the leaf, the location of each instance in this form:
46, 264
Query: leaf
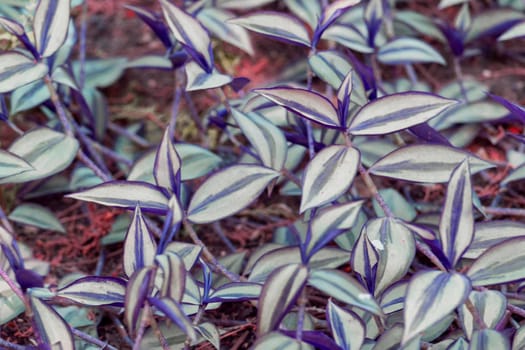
397, 112
139, 246
493, 22
516, 174
446, 3
190, 33
174, 312
10, 304
267, 139
36, 215
188, 252
53, 330
95, 291
137, 291
151, 61
167, 165
456, 228
329, 223
276, 257
307, 104
29, 96
276, 340
400, 207
196, 161
50, 25
11, 164
393, 298
328, 175
425, 163
334, 10
490, 233
276, 25
48, 152
279, 292
519, 339
395, 247
210, 332
126, 194
17, 70
228, 191
516, 31
308, 11
431, 296
405, 50
502, 263
238, 291
216, 21
199, 79
342, 287
101, 72
347, 328
173, 275
490, 305
488, 339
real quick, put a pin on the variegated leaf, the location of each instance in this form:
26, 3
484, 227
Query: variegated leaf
280, 291
173, 275
17, 70
432, 296
199, 79
50, 25
53, 330
228, 191
490, 305
305, 103
126, 194
95, 291
335, 10
330, 222
276, 25
276, 340
167, 165
190, 33
490, 233
397, 112
216, 21
48, 152
456, 228
235, 292
137, 291
395, 247
342, 287
406, 50
188, 252
11, 164
347, 328
425, 163
175, 313
516, 31
139, 246
502, 263
267, 139
488, 339
328, 175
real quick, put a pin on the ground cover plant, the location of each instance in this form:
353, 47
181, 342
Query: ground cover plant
318, 175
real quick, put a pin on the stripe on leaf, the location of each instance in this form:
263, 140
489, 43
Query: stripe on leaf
307, 104
456, 228
432, 296
328, 175
17, 70
173, 275
347, 327
139, 246
502, 263
53, 330
95, 291
425, 163
50, 25
406, 50
137, 292
276, 25
279, 293
228, 191
397, 112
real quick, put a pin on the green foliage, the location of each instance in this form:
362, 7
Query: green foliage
387, 267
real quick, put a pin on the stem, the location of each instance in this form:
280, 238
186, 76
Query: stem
162, 339
175, 106
14, 288
92, 340
82, 44
459, 76
475, 314
82, 156
117, 129
220, 232
411, 74
121, 330
208, 255
375, 192
516, 310
111, 154
7, 345
62, 116
143, 324
300, 315
309, 131
505, 211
